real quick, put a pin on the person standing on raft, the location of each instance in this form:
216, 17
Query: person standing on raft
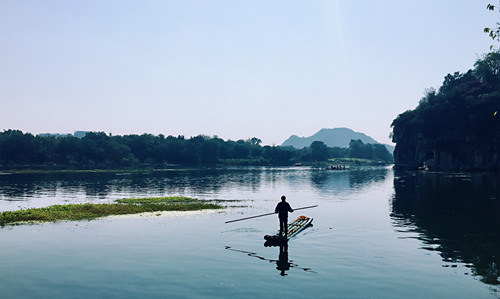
282, 210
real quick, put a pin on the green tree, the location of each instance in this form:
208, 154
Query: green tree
175, 149
17, 147
319, 151
460, 119
210, 150
140, 146
381, 153
487, 70
278, 155
255, 141
357, 149
338, 152
68, 151
241, 150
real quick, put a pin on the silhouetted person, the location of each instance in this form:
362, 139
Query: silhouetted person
282, 210
282, 264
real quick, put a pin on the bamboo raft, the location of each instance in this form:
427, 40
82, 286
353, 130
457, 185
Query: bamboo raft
294, 228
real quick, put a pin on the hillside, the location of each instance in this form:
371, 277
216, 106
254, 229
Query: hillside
338, 137
456, 127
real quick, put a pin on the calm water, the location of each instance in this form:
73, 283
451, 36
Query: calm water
376, 234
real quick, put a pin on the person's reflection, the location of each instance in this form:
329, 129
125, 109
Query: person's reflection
282, 263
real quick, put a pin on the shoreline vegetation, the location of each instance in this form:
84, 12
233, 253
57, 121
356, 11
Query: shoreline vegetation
456, 127
164, 168
90, 211
98, 150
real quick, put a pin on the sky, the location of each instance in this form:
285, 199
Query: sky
233, 69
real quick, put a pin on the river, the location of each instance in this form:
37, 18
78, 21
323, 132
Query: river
376, 233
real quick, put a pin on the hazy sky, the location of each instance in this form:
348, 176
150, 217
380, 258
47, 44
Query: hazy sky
235, 69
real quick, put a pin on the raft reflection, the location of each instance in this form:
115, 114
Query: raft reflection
283, 264
456, 215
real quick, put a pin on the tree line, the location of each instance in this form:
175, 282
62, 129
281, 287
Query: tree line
460, 122
98, 149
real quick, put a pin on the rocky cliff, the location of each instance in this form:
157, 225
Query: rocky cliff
419, 152
456, 128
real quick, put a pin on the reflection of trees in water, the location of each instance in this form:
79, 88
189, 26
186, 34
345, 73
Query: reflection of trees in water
31, 185
213, 180
457, 215
200, 181
348, 180
102, 185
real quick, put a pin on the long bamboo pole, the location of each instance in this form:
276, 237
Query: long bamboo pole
267, 214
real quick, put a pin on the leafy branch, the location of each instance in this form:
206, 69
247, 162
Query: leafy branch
494, 33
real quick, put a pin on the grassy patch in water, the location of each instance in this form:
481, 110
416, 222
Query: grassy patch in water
158, 200
91, 211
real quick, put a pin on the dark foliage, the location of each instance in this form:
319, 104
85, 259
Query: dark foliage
463, 116
98, 149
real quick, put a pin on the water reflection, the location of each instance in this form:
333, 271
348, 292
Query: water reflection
343, 182
102, 186
457, 215
283, 264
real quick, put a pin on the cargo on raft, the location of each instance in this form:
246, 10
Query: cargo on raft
294, 228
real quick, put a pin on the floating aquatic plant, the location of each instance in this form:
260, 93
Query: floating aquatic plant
89, 211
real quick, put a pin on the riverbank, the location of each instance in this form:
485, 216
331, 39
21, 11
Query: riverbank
357, 162
40, 169
96, 170
163, 214
90, 211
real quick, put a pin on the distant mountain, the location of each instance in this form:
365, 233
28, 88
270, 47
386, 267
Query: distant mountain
338, 137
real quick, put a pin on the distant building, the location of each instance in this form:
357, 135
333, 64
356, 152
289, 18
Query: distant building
80, 134
77, 134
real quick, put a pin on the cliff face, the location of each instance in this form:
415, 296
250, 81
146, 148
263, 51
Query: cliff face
411, 153
457, 127
414, 152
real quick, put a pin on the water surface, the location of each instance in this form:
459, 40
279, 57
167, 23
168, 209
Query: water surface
376, 234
